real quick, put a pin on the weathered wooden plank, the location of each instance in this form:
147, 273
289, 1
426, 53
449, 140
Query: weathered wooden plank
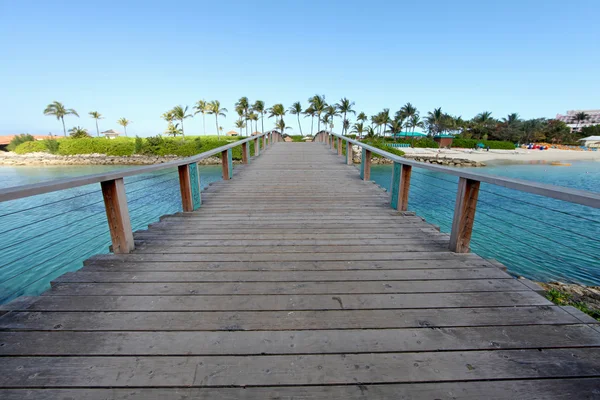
430, 245
296, 342
531, 389
285, 320
284, 276
286, 302
242, 288
297, 370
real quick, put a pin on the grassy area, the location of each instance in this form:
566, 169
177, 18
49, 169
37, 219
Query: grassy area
124, 146
566, 299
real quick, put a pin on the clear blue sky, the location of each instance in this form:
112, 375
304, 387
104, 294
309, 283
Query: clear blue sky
136, 59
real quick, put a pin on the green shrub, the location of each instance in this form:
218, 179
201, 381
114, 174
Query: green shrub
31, 147
110, 147
52, 145
17, 140
382, 144
139, 144
494, 144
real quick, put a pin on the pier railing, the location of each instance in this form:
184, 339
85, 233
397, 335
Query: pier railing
46, 235
467, 194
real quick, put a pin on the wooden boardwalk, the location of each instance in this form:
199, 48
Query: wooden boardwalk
295, 280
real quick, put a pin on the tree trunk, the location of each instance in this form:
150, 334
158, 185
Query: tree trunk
318, 122
217, 122
125, 129
312, 123
97, 130
300, 126
182, 131
64, 128
204, 123
262, 122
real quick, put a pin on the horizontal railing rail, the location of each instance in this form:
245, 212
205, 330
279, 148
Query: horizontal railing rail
113, 185
468, 186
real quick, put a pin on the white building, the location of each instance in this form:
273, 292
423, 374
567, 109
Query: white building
591, 141
111, 134
569, 119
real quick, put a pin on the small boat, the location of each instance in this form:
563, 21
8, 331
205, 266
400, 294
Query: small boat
560, 164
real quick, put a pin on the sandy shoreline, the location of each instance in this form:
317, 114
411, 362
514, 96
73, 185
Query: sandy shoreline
514, 156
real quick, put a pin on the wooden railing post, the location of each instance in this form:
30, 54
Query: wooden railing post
339, 145
349, 153
332, 144
117, 215
264, 143
464, 215
227, 164
365, 165
256, 147
400, 186
245, 152
189, 185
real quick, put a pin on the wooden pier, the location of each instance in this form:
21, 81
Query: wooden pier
295, 279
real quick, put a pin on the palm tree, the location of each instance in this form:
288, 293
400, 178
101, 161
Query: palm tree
202, 107
278, 110
259, 107
395, 126
124, 122
384, 119
240, 124
96, 115
331, 112
180, 114
326, 120
345, 107
173, 129
345, 125
253, 117
296, 109
407, 112
58, 110
310, 112
318, 104
581, 117
281, 126
362, 117
414, 122
370, 132
215, 108
78, 132
434, 120
244, 106
358, 128
511, 119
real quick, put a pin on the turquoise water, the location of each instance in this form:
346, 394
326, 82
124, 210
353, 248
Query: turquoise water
536, 237
42, 237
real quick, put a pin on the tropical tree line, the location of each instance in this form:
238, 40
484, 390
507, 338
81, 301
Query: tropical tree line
59, 111
403, 123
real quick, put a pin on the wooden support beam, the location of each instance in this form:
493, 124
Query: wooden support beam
365, 165
464, 215
400, 186
226, 163
256, 147
404, 188
349, 153
339, 146
245, 153
117, 215
185, 188
332, 143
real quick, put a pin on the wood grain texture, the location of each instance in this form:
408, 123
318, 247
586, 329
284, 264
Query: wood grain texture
117, 215
295, 280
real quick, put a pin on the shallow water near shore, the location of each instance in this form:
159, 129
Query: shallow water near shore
540, 238
45, 236
42, 237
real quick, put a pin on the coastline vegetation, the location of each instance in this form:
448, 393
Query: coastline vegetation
124, 146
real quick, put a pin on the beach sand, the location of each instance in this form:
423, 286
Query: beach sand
517, 155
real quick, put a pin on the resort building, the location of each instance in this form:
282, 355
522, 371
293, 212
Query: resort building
232, 133
571, 120
110, 134
590, 141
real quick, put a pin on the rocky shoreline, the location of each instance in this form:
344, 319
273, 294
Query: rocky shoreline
446, 161
33, 159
